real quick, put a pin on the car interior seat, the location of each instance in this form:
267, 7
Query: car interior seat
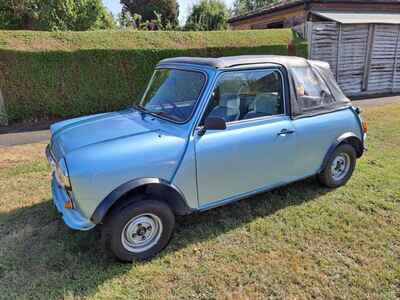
228, 108
265, 104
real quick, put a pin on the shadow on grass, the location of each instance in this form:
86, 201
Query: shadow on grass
210, 224
41, 258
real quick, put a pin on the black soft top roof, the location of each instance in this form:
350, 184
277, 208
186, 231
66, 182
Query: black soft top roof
299, 106
233, 61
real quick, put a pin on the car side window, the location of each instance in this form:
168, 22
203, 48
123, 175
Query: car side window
312, 91
241, 95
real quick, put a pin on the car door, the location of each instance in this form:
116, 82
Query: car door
255, 152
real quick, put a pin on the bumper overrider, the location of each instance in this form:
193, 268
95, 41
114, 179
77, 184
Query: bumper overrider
72, 217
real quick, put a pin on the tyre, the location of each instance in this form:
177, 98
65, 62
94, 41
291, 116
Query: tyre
340, 166
138, 230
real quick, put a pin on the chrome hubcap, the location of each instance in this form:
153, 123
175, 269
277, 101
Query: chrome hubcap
141, 233
340, 166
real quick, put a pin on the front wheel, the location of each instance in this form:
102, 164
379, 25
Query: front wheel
138, 230
340, 166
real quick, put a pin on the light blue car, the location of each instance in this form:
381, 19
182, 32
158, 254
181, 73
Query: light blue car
208, 131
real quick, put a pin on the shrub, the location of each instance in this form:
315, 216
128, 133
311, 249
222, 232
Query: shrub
208, 15
54, 15
57, 75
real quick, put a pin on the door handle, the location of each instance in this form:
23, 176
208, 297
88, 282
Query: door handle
285, 131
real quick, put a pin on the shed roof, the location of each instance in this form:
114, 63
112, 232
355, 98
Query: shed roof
232, 61
284, 4
359, 18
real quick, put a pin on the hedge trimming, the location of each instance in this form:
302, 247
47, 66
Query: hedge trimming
56, 75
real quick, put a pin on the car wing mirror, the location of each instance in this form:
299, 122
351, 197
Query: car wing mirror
213, 123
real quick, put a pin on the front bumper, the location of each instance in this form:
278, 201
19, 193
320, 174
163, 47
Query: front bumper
72, 217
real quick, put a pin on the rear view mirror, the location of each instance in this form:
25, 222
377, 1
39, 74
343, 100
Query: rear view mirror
213, 123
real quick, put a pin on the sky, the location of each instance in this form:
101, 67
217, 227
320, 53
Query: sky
184, 6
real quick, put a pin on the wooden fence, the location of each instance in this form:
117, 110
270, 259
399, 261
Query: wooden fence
365, 58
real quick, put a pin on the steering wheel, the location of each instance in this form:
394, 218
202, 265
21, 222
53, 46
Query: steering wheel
175, 107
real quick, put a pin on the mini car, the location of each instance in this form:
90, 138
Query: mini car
207, 132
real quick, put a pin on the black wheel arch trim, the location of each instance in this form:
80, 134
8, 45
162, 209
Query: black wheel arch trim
348, 136
179, 204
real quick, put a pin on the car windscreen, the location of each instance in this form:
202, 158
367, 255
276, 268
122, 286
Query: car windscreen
173, 93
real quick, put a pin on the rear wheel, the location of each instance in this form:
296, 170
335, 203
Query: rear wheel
340, 166
138, 230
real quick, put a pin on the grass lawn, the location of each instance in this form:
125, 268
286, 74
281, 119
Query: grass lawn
299, 241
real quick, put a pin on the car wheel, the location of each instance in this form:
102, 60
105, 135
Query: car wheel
340, 166
138, 230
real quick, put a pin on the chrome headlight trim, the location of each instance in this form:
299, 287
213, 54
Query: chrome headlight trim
50, 157
60, 169
62, 175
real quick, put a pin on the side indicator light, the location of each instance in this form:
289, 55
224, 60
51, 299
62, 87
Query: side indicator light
365, 126
68, 204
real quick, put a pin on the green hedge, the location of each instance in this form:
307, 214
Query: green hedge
56, 75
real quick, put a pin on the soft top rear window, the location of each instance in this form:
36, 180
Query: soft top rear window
316, 90
327, 75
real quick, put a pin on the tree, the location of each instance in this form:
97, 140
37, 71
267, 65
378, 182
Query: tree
244, 6
54, 15
168, 9
208, 15
125, 20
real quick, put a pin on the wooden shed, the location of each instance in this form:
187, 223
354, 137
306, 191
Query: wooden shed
363, 50
359, 39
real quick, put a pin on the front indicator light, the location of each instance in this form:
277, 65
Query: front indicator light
365, 126
68, 204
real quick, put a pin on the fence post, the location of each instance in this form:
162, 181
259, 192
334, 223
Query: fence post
396, 52
3, 114
338, 53
309, 32
368, 54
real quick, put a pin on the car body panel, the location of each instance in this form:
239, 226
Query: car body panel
54, 128
316, 134
244, 157
107, 165
100, 129
186, 176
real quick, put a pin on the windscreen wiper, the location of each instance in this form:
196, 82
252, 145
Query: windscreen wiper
165, 115
139, 107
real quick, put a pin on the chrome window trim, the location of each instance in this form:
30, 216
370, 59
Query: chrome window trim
258, 119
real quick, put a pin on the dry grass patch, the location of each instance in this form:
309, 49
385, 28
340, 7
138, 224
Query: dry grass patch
16, 155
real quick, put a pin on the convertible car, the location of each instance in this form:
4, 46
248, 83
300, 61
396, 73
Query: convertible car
208, 131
